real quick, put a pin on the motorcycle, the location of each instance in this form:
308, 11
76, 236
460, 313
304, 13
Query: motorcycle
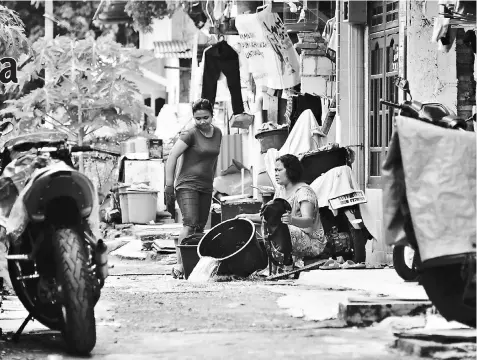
328, 172
429, 203
49, 219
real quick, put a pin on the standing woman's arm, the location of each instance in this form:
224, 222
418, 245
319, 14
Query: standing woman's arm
176, 151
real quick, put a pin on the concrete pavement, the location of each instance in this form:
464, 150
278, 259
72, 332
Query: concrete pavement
145, 314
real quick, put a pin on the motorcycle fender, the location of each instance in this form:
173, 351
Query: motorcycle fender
55, 183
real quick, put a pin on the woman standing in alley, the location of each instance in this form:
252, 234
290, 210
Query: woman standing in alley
200, 148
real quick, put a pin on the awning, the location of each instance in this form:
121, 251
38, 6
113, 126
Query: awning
175, 49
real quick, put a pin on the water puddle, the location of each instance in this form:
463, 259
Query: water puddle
205, 270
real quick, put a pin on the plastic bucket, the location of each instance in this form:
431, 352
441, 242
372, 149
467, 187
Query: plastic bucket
190, 258
138, 207
189, 255
234, 243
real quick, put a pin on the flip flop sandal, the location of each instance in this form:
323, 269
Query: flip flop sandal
330, 265
374, 267
349, 264
177, 273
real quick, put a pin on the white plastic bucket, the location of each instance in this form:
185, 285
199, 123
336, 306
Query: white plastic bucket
138, 207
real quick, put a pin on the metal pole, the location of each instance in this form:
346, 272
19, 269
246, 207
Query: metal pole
48, 28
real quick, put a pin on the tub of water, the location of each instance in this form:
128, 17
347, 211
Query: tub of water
234, 247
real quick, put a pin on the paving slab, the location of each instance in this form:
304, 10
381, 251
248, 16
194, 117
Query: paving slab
441, 335
366, 313
436, 350
130, 251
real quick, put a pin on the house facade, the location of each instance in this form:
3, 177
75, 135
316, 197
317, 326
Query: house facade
394, 41
376, 41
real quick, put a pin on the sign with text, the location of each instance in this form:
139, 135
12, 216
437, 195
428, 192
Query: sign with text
271, 57
8, 70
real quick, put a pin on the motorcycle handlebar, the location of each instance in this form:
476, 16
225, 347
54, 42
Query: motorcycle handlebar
78, 148
85, 148
388, 103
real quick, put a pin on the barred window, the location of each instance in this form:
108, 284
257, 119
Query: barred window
383, 68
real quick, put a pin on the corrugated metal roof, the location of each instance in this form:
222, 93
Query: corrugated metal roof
173, 49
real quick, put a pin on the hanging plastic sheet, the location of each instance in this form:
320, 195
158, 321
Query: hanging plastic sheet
435, 170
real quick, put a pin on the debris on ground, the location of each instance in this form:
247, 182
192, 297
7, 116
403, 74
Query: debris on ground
367, 310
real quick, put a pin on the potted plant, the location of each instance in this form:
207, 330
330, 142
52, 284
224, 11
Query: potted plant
144, 12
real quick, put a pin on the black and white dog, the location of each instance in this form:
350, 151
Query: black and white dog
276, 234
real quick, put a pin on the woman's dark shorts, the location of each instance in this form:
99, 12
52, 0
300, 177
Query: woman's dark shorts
195, 207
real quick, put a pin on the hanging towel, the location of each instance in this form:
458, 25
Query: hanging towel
336, 182
300, 138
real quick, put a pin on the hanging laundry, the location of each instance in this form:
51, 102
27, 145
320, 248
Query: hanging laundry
330, 34
222, 58
469, 39
443, 34
196, 13
198, 77
289, 110
331, 38
219, 8
305, 102
271, 56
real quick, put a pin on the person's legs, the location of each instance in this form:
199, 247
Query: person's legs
303, 245
188, 201
205, 201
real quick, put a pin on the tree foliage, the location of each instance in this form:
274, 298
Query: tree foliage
13, 42
71, 18
86, 88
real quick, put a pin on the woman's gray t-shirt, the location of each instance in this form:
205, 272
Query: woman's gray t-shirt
199, 160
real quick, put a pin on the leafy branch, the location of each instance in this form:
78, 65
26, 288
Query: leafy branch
88, 82
13, 41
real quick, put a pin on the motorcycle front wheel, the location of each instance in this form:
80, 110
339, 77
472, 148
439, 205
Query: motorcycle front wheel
76, 283
404, 262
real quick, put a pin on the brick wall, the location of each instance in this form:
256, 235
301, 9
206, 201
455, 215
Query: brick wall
465, 77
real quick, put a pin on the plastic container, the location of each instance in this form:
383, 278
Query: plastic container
190, 258
235, 244
155, 149
136, 149
230, 209
189, 254
138, 207
272, 139
266, 197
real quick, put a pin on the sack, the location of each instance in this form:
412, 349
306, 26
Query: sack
271, 57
